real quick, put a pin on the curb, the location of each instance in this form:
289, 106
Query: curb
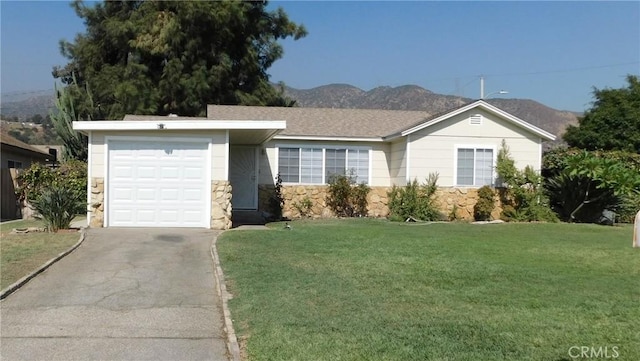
232, 340
21, 282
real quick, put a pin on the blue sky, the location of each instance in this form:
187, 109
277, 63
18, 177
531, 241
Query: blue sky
551, 52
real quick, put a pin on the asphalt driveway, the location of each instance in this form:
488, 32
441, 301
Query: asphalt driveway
125, 294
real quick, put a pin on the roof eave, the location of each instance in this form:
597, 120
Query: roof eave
161, 124
328, 138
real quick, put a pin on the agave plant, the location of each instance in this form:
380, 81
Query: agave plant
57, 206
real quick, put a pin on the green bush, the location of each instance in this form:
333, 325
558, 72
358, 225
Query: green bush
57, 194
414, 200
485, 204
303, 207
346, 198
57, 206
582, 184
34, 180
522, 194
629, 207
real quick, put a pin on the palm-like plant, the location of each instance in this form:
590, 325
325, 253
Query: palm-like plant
57, 206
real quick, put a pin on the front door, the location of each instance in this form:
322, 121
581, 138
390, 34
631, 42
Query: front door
243, 173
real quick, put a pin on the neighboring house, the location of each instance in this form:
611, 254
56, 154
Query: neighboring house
14, 154
191, 172
17, 154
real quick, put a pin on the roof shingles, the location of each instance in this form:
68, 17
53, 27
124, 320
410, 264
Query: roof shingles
327, 122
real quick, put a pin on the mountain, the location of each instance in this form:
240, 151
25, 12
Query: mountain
25, 107
413, 97
406, 97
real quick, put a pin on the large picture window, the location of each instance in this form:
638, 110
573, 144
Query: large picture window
474, 167
315, 165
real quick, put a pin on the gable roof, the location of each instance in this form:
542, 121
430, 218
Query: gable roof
8, 140
482, 105
357, 123
324, 122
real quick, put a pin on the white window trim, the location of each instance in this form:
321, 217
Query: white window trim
474, 147
324, 147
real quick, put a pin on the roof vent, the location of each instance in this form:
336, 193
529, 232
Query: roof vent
475, 119
171, 115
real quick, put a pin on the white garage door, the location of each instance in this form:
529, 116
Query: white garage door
158, 184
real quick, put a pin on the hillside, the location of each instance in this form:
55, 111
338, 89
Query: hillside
413, 97
25, 107
406, 97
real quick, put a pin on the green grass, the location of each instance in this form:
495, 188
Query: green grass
20, 254
374, 290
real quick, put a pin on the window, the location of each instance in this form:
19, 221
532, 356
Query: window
289, 164
14, 164
311, 165
335, 162
359, 164
475, 167
317, 165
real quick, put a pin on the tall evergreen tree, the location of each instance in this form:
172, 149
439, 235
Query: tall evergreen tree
612, 123
161, 57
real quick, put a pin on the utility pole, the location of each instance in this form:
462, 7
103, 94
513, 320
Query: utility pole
481, 86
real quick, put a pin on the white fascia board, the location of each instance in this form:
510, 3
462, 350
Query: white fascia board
162, 124
329, 139
438, 119
542, 133
490, 108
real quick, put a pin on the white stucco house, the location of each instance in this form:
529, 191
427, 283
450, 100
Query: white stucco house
152, 171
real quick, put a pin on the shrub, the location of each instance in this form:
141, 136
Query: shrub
414, 200
522, 194
590, 183
33, 181
346, 198
453, 214
485, 204
57, 206
276, 200
303, 207
629, 207
582, 184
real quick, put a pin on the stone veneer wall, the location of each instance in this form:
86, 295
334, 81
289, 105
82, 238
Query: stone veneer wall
463, 199
446, 198
96, 206
220, 204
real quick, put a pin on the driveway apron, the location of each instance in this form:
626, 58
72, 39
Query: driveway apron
124, 294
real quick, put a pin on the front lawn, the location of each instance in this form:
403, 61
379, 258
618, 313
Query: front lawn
21, 254
374, 290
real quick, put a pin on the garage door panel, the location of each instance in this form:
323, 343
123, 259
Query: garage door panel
123, 171
146, 173
148, 194
169, 194
170, 173
122, 194
191, 172
192, 194
156, 184
122, 215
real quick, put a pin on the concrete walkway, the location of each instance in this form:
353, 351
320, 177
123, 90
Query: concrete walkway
125, 294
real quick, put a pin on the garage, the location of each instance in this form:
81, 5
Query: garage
167, 171
157, 183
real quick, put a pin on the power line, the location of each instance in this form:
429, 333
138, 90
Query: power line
566, 70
